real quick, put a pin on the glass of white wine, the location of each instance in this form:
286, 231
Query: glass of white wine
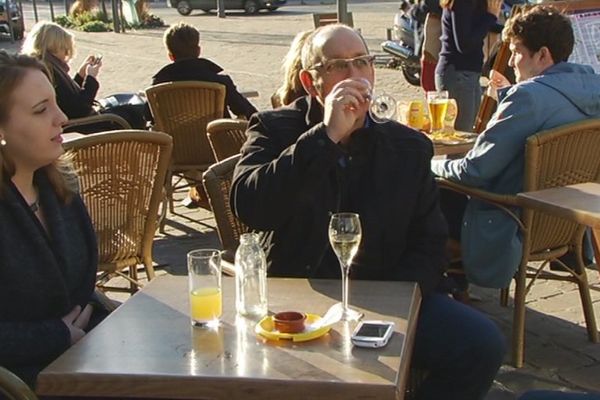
344, 235
382, 106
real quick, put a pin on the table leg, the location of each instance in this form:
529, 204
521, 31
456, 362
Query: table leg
596, 244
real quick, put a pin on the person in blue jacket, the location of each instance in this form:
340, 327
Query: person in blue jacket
549, 92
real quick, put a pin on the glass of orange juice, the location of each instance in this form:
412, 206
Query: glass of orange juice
204, 272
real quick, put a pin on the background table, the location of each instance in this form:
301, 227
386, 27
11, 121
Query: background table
579, 203
147, 348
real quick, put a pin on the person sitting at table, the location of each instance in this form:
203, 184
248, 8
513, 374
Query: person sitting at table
291, 87
182, 42
55, 47
48, 251
324, 154
549, 92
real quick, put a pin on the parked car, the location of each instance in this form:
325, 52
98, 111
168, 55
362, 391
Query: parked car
185, 7
13, 13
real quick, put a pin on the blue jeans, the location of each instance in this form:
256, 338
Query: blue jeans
464, 87
461, 348
554, 395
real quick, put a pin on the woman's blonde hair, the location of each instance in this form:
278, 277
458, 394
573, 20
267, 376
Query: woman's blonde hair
291, 88
13, 69
47, 37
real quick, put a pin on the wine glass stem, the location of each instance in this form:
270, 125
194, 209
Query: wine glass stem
345, 281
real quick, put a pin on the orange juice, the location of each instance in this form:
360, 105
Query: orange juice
415, 114
206, 304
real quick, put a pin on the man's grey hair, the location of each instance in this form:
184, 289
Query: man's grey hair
312, 52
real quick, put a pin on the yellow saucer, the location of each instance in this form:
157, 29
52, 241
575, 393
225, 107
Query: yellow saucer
266, 328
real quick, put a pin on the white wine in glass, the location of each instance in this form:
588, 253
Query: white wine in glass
344, 235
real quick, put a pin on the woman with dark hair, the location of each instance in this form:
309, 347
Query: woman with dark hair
465, 23
48, 252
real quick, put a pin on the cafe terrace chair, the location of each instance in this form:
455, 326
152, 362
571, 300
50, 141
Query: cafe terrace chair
322, 19
13, 388
121, 177
217, 183
183, 110
110, 120
226, 137
558, 157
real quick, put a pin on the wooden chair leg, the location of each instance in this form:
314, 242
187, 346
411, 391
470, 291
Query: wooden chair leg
149, 268
518, 334
588, 308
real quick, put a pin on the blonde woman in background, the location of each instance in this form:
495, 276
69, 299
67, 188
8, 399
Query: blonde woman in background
291, 87
55, 47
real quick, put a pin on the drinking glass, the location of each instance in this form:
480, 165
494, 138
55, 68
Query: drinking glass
204, 268
438, 104
382, 106
344, 235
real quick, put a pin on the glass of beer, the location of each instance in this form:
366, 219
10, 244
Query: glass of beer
204, 272
438, 104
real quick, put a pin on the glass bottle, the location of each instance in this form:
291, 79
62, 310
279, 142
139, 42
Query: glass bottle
250, 277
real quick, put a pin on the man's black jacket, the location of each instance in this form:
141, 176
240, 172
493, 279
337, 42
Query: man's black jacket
201, 69
291, 177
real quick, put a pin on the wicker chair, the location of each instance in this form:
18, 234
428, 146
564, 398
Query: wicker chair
562, 156
111, 120
226, 137
217, 183
121, 175
183, 110
13, 388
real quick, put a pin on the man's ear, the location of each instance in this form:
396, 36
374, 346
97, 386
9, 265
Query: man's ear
545, 56
307, 81
199, 51
171, 56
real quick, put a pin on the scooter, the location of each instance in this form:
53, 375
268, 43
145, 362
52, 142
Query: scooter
402, 45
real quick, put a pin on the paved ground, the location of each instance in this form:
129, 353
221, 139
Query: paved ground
250, 49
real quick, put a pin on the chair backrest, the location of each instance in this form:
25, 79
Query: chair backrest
121, 178
562, 156
13, 388
183, 110
226, 137
217, 183
100, 121
322, 19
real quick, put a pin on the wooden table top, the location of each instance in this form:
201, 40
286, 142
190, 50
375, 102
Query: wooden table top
579, 203
148, 349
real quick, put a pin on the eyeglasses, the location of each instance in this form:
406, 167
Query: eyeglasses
337, 65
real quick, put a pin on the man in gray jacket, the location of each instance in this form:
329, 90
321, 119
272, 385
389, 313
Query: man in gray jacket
549, 92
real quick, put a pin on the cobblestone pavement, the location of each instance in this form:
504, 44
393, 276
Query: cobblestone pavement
558, 355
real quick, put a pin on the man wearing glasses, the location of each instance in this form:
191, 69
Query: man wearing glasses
323, 154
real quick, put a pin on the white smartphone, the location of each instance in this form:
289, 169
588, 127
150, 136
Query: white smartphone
372, 334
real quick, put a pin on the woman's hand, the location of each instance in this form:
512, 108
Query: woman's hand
83, 68
494, 7
93, 68
77, 321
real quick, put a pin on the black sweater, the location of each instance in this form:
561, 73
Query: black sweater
42, 276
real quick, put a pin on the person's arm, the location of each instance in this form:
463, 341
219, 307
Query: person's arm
270, 176
237, 103
468, 30
425, 257
500, 144
77, 102
31, 341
